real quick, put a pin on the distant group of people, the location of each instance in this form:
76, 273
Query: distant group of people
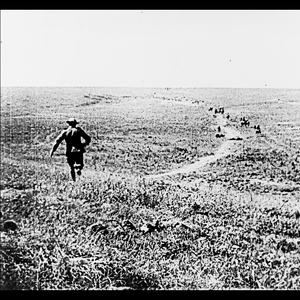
219, 110
243, 120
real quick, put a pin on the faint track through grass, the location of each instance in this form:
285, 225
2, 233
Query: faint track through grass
228, 146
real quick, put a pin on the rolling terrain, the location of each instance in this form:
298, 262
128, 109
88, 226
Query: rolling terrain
163, 203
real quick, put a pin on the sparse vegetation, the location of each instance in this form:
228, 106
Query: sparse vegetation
116, 229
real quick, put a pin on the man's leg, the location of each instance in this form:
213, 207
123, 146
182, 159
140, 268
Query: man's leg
72, 172
79, 162
71, 162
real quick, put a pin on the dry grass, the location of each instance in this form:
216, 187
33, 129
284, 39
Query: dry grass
115, 229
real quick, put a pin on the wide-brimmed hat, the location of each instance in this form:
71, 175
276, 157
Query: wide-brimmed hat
72, 121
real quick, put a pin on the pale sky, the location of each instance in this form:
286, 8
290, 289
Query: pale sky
151, 48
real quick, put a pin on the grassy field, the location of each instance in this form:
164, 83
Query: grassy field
234, 223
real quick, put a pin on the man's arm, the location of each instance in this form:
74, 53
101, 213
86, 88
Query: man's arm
86, 137
59, 139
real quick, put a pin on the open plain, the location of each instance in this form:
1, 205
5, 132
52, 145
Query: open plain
173, 195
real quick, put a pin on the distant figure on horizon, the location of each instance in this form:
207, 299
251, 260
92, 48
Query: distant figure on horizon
74, 147
257, 129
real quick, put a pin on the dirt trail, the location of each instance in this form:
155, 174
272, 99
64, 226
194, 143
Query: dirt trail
229, 146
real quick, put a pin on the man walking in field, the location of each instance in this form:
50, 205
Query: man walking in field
74, 147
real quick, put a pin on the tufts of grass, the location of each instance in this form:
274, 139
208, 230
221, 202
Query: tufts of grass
89, 235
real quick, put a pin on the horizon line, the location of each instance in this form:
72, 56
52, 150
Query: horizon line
144, 87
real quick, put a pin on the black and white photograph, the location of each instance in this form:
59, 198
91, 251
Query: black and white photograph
150, 149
